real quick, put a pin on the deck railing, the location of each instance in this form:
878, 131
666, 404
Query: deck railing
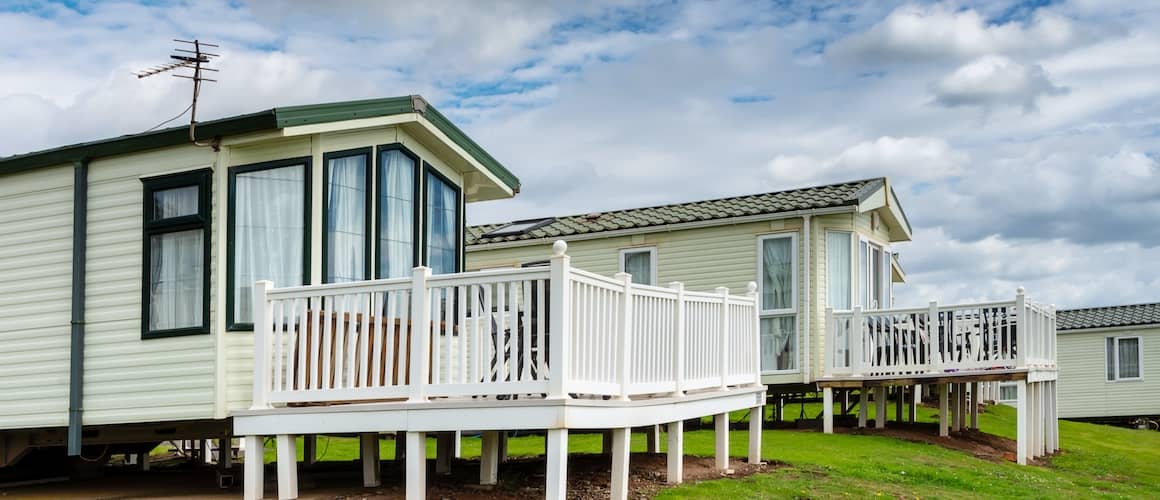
550, 331
940, 339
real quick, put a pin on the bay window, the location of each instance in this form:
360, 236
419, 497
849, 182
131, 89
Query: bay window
873, 275
443, 223
269, 231
175, 291
346, 233
640, 263
397, 192
777, 291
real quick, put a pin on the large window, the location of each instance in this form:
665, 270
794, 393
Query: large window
442, 223
777, 269
873, 276
346, 243
838, 272
641, 264
175, 291
269, 231
1123, 355
397, 190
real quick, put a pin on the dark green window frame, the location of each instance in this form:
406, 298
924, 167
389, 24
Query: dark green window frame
417, 236
201, 220
460, 229
232, 325
369, 229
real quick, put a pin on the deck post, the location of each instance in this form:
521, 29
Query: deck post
619, 484
368, 454
943, 399
915, 400
623, 369
652, 438
1021, 421
676, 453
679, 339
857, 342
502, 445
751, 292
420, 337
606, 442
724, 336
975, 400
262, 312
934, 339
309, 449
1022, 329
721, 441
253, 478
560, 321
828, 410
556, 476
755, 414
863, 410
1054, 416
225, 454
416, 465
489, 458
444, 447
956, 419
899, 401
880, 411
287, 466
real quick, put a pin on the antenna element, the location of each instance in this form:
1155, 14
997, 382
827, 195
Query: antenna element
196, 60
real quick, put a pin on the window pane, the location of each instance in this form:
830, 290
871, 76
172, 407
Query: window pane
346, 212
1129, 357
876, 283
1110, 350
639, 265
176, 262
863, 274
269, 213
396, 214
838, 273
778, 343
442, 226
176, 202
777, 273
1008, 392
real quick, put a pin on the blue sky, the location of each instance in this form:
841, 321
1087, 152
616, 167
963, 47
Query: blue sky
1021, 136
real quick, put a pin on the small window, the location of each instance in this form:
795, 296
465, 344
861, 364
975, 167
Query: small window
443, 223
346, 243
1123, 358
518, 228
641, 263
175, 291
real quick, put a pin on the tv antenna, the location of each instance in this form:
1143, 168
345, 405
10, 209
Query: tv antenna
183, 58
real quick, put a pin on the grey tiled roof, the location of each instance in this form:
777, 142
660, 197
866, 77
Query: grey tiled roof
1110, 316
832, 195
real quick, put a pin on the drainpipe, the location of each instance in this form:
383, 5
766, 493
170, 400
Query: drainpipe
77, 334
808, 297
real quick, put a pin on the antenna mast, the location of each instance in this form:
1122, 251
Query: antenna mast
184, 58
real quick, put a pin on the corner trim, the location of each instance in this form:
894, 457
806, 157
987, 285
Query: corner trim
77, 331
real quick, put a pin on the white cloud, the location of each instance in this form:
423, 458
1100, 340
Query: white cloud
995, 80
916, 159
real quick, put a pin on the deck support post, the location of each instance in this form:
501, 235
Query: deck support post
721, 448
619, 484
606, 442
653, 439
863, 402
755, 434
503, 447
309, 449
943, 400
975, 405
956, 407
828, 410
899, 401
287, 466
225, 458
1054, 423
489, 457
1021, 421
444, 447
416, 465
962, 422
676, 452
556, 477
143, 461
253, 478
915, 400
880, 410
368, 454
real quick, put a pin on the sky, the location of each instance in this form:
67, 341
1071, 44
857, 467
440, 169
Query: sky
1022, 138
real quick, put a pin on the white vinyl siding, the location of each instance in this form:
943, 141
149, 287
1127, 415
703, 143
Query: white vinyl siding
1084, 388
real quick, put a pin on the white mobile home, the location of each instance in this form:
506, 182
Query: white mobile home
1119, 386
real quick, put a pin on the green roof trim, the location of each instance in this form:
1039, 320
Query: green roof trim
270, 119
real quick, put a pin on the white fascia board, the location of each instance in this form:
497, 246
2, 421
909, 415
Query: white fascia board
679, 226
358, 123
487, 174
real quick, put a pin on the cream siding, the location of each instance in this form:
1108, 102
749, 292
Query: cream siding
128, 379
1085, 392
35, 291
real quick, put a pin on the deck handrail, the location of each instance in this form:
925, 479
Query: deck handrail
550, 331
940, 338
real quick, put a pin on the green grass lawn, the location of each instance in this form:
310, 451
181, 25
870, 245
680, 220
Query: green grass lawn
1097, 461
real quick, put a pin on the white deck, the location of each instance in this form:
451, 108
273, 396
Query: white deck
546, 348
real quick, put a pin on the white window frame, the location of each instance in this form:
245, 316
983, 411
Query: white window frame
793, 309
853, 264
652, 261
885, 285
1116, 354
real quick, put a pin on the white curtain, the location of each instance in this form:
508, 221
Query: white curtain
346, 212
838, 273
268, 232
442, 227
175, 279
1129, 357
176, 202
639, 265
396, 214
777, 276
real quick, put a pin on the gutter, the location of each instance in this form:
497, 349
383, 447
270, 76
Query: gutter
76, 373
